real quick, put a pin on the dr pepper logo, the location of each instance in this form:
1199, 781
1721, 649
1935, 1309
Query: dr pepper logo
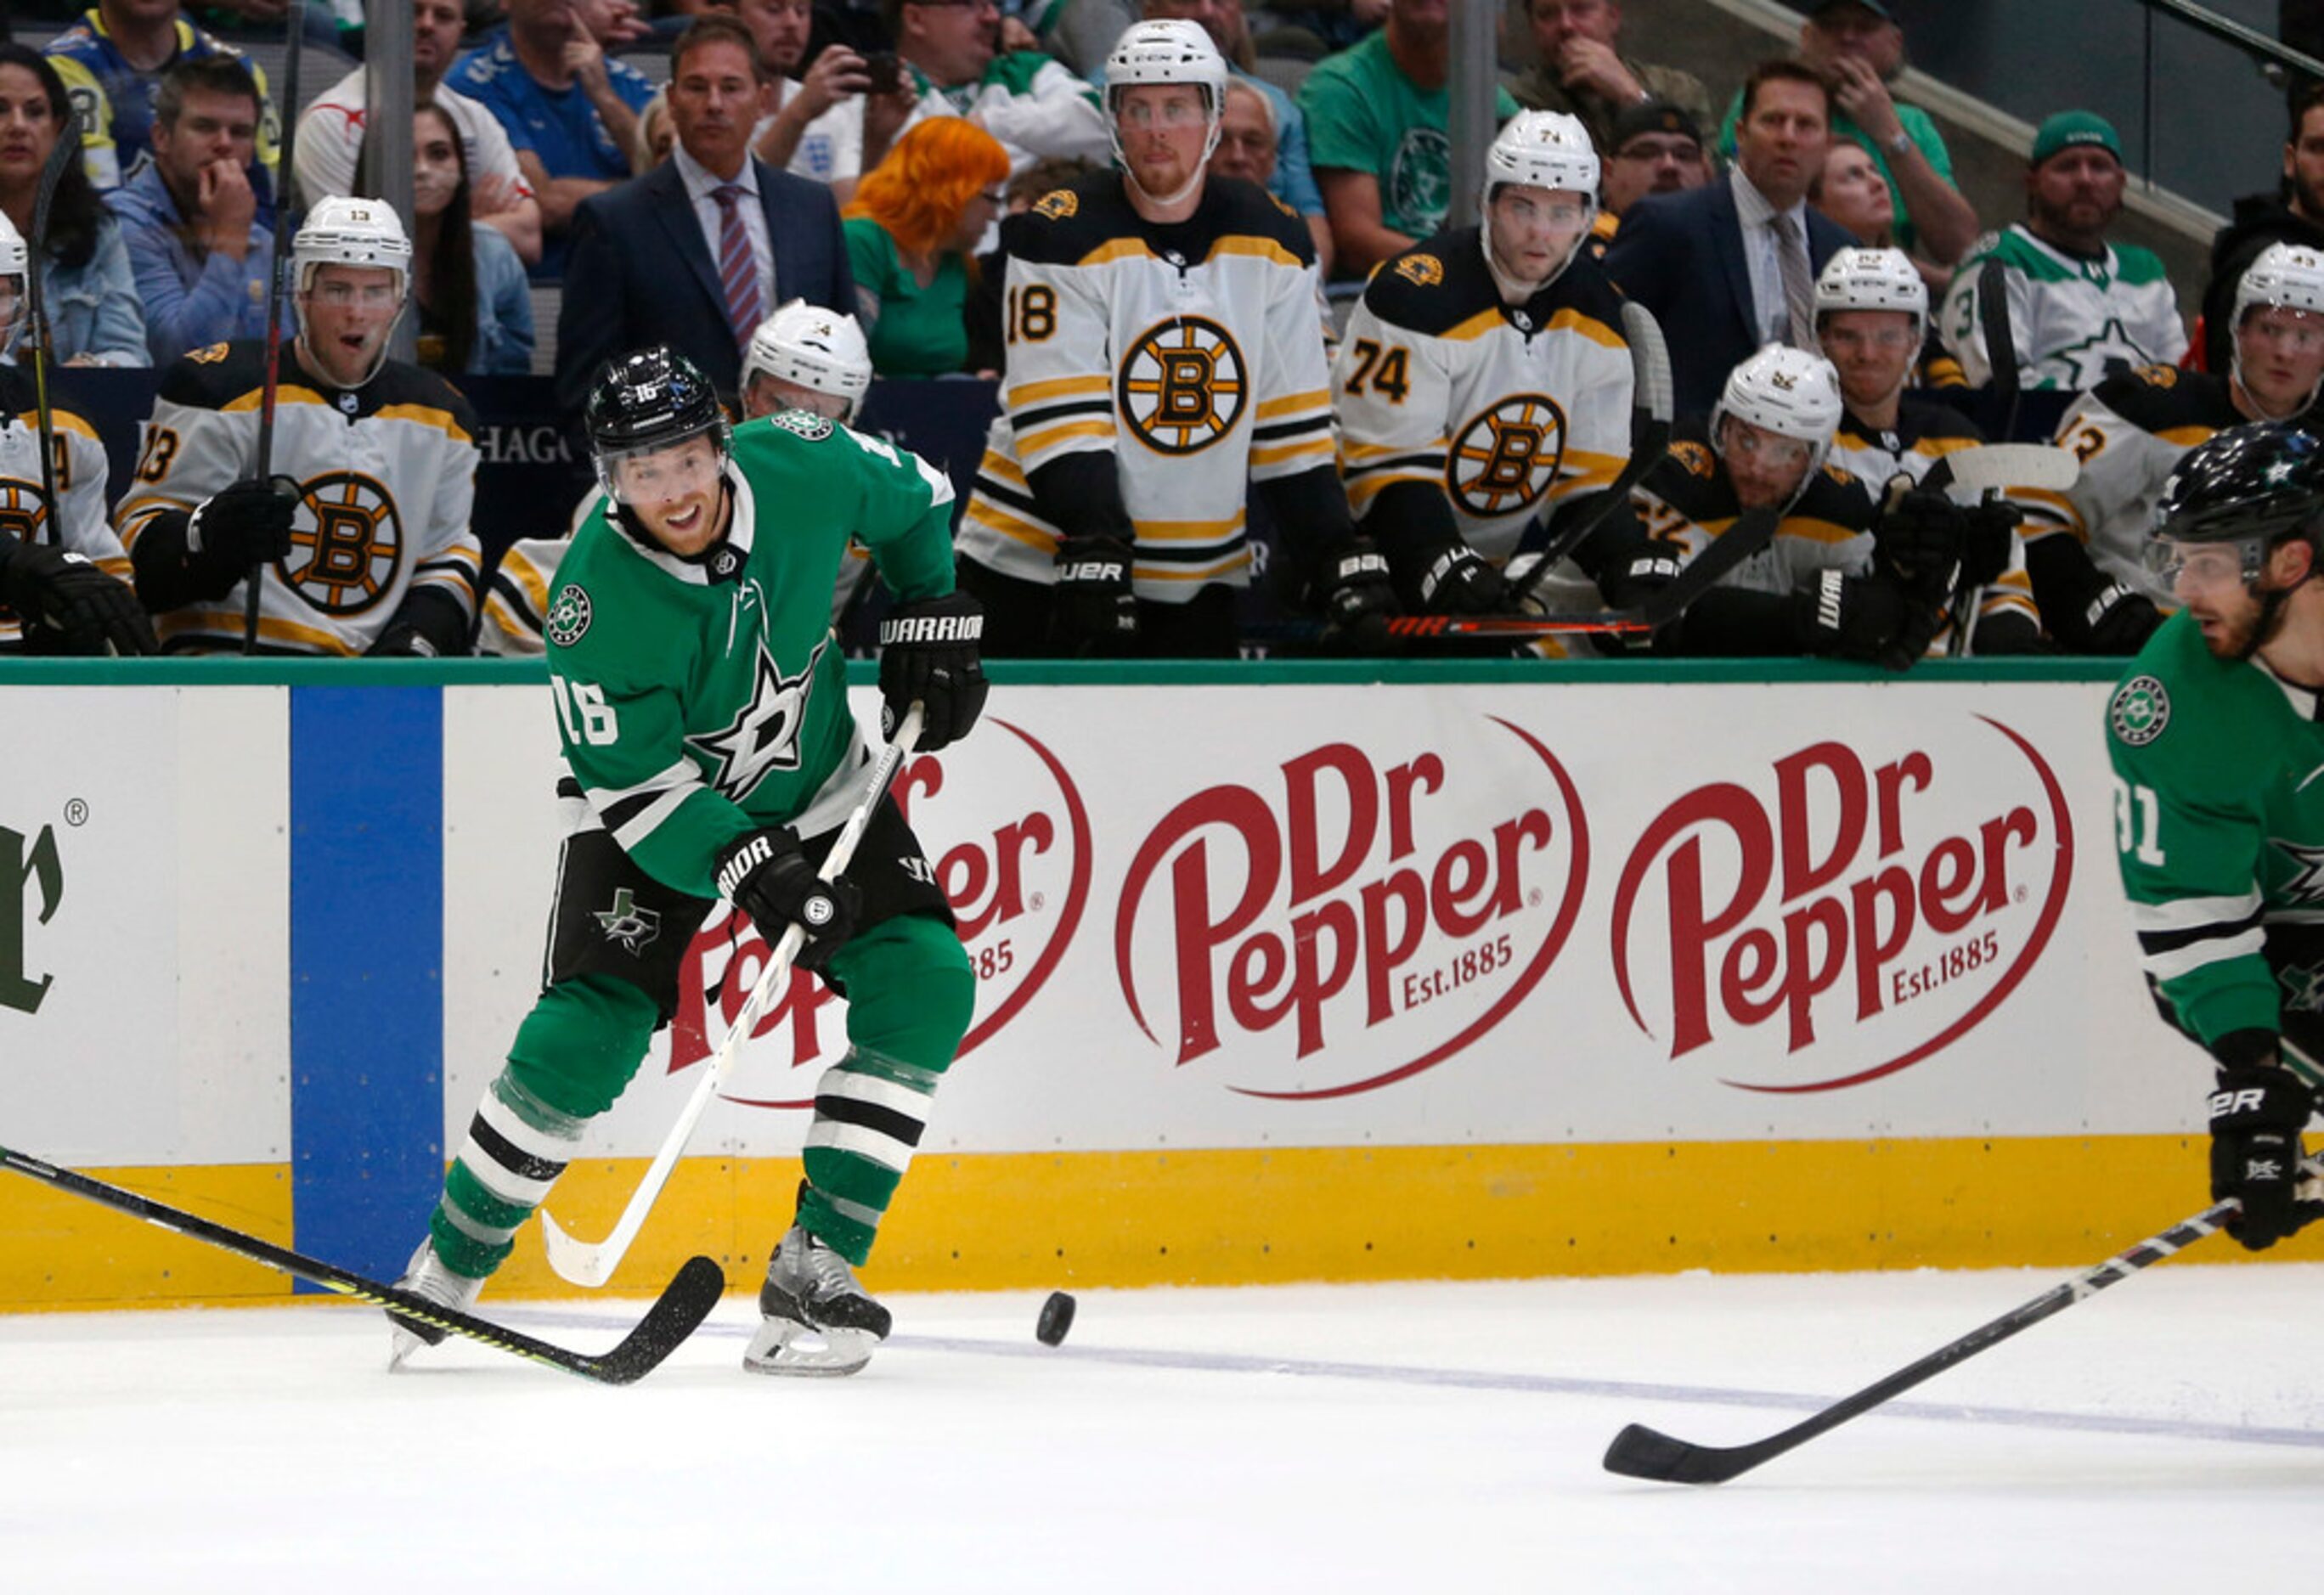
1016, 876
1359, 918
1842, 915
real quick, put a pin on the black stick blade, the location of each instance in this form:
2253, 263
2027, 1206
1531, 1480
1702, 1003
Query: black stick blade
1640, 1453
675, 1314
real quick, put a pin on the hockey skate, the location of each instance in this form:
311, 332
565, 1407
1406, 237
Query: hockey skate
426, 1276
817, 1320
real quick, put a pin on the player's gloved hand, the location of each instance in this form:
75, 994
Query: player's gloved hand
1635, 580
2257, 1117
2117, 621
1919, 536
766, 876
1854, 617
403, 642
1461, 582
1355, 593
927, 656
245, 522
68, 605
1987, 541
1094, 602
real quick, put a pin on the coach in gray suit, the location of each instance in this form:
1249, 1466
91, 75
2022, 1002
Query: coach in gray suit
700, 250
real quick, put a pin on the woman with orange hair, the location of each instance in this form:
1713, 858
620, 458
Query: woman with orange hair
913, 219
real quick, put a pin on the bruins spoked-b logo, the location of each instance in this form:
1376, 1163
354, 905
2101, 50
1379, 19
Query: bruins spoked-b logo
1507, 456
1184, 385
22, 512
346, 544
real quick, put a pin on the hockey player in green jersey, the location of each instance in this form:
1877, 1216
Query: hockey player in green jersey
2217, 739
703, 708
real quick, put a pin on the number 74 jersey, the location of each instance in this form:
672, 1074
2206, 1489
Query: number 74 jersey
2218, 798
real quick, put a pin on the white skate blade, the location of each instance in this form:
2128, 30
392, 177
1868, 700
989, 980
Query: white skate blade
401, 1344
784, 1347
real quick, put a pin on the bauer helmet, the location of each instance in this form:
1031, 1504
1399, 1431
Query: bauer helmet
1542, 150
646, 401
2248, 488
2287, 276
812, 347
1163, 52
1785, 390
1873, 279
345, 232
15, 283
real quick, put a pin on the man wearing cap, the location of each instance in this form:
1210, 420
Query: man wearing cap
2290, 212
2080, 309
1583, 73
1860, 46
1655, 148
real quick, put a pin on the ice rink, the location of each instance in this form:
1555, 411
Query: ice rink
2167, 1436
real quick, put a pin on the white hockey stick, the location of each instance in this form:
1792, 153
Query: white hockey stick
593, 1264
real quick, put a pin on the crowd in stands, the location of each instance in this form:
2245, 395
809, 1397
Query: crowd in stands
1837, 316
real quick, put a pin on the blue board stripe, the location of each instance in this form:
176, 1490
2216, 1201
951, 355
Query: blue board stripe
366, 970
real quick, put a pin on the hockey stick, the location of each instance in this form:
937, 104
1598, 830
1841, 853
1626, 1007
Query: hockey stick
52, 173
1974, 475
2000, 342
1641, 1453
1422, 627
592, 1265
1651, 411
297, 23
683, 1304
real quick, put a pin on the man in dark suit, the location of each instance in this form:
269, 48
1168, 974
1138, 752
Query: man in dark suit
700, 250
1732, 266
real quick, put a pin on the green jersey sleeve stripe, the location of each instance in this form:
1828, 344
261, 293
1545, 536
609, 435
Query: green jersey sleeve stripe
2175, 962
2194, 913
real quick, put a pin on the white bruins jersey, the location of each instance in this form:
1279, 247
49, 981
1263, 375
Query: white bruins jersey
1192, 355
83, 528
2073, 322
386, 475
2127, 433
1923, 433
1687, 500
1507, 411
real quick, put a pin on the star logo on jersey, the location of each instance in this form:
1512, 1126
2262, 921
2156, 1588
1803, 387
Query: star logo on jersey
1184, 385
2140, 710
568, 615
763, 736
2303, 988
1420, 178
634, 928
2308, 886
1506, 458
2090, 362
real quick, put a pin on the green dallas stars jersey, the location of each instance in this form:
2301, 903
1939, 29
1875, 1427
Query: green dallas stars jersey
698, 701
2218, 796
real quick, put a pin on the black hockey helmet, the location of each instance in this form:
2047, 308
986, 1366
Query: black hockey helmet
648, 400
2249, 486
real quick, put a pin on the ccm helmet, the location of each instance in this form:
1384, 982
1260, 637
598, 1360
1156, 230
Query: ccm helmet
814, 348
1165, 52
646, 401
1787, 391
2286, 275
1873, 279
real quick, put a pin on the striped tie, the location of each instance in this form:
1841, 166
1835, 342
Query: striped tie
1799, 283
738, 275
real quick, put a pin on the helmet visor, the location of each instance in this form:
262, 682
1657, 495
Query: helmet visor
665, 471
2206, 564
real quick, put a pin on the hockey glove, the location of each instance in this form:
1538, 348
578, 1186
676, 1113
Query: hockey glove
246, 522
1353, 591
1630, 584
2257, 1117
1851, 617
2117, 621
927, 656
1094, 603
766, 876
1921, 536
68, 605
1460, 582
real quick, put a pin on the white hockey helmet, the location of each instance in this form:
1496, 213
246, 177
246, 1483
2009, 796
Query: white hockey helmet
341, 231
1786, 390
1873, 279
2291, 275
814, 347
15, 283
1165, 52
1542, 150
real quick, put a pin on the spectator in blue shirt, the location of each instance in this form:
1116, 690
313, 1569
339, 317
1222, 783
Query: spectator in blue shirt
189, 216
570, 112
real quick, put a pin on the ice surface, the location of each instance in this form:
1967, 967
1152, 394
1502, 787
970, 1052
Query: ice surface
2168, 1436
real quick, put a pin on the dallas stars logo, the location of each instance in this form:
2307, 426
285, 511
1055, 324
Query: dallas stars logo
634, 928
2105, 352
763, 735
2303, 989
2308, 886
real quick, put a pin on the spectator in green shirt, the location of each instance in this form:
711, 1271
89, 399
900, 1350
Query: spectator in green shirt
910, 229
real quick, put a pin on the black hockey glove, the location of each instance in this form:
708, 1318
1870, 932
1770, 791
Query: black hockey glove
1461, 582
1635, 580
1920, 538
1094, 603
2257, 1117
1353, 591
2117, 621
766, 876
1851, 617
69, 607
245, 522
927, 656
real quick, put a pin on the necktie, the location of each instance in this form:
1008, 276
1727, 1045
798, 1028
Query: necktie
738, 275
1799, 282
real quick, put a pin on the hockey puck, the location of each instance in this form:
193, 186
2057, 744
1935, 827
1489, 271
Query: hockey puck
1056, 1318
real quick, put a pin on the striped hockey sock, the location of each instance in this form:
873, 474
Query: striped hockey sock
516, 1148
869, 1112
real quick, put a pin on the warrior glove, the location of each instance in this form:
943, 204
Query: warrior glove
766, 876
928, 656
1851, 617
